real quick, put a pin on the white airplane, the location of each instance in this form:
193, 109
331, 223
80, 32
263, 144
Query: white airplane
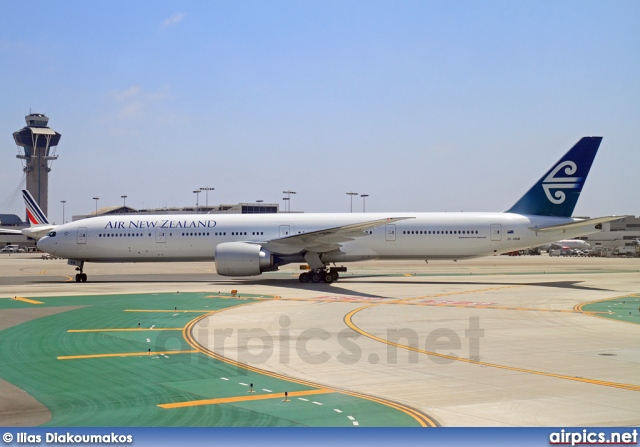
569, 243
250, 244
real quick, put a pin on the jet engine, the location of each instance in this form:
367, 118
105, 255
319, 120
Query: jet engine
242, 259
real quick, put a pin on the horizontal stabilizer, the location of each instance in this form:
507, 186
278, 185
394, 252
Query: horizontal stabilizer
7, 231
37, 231
576, 224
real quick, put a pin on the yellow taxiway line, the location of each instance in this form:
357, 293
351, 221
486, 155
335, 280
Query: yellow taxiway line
348, 319
423, 419
27, 300
242, 298
482, 306
128, 329
247, 398
174, 311
125, 354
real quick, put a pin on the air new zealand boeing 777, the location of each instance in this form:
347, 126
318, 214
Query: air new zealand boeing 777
250, 244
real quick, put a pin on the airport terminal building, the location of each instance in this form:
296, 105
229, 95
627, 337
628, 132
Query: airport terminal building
239, 208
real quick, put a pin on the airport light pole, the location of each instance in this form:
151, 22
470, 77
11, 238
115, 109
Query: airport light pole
96, 199
63, 202
206, 189
352, 194
364, 198
124, 203
288, 192
197, 193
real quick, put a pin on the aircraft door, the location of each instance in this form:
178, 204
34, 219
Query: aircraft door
390, 233
496, 232
161, 235
82, 235
284, 230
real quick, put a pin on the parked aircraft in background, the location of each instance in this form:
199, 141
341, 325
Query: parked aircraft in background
250, 244
568, 243
40, 225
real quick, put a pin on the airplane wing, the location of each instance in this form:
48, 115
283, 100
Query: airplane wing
576, 224
326, 239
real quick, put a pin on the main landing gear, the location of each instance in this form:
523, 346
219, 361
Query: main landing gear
322, 275
81, 277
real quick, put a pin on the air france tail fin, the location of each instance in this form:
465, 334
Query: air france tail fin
34, 213
557, 192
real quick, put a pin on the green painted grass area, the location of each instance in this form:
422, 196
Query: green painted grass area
619, 309
126, 391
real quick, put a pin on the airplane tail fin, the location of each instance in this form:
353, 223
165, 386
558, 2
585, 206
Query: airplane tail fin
557, 192
34, 213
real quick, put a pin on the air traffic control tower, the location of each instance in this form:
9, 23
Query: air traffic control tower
36, 148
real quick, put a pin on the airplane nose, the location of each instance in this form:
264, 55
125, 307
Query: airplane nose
44, 244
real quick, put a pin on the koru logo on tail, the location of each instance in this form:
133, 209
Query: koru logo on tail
559, 183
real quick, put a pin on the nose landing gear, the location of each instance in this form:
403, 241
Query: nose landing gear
81, 277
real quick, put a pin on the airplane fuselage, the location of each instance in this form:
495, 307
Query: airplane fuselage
153, 238
250, 244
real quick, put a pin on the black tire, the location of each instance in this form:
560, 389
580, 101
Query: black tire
304, 277
335, 275
83, 277
328, 278
78, 278
316, 277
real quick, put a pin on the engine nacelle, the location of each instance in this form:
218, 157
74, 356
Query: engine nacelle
242, 259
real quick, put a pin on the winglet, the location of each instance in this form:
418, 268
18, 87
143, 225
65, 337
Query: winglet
557, 192
34, 213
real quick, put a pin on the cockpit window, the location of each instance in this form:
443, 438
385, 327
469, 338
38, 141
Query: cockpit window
51, 234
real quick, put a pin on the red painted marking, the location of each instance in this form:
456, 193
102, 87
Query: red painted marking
464, 303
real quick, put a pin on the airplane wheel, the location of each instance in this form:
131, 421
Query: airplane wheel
316, 277
328, 278
83, 277
304, 277
335, 276
78, 278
